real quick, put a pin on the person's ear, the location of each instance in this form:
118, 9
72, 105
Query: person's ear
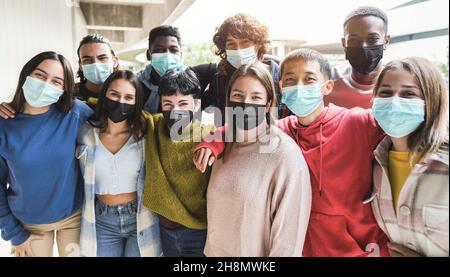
387, 41
328, 87
280, 85
115, 62
149, 54
257, 48
343, 42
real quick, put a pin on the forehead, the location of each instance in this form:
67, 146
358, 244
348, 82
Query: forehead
248, 84
166, 41
177, 97
122, 86
398, 77
52, 67
94, 49
299, 66
363, 25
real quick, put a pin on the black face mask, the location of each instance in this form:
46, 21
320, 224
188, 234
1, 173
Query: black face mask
253, 115
117, 111
364, 59
182, 117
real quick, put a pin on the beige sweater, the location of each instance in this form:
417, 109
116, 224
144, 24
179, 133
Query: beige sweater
258, 204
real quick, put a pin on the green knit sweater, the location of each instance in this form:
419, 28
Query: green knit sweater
174, 188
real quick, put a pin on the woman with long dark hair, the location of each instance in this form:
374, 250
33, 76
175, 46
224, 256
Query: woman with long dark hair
41, 190
111, 153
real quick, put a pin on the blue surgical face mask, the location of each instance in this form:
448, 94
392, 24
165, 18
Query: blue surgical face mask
302, 100
40, 94
97, 73
163, 62
397, 116
237, 58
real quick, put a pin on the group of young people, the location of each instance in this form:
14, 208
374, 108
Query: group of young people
301, 161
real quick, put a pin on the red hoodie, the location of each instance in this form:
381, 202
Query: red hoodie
338, 148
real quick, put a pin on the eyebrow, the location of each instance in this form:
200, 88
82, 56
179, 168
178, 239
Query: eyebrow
127, 94
311, 73
258, 93
403, 86
43, 71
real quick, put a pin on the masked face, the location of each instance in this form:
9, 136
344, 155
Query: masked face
40, 94
364, 59
240, 57
397, 116
97, 73
97, 62
364, 41
117, 111
302, 100
398, 106
163, 62
119, 103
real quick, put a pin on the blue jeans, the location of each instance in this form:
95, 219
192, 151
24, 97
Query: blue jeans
116, 230
183, 242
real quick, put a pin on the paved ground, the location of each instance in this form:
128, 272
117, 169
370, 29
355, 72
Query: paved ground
4, 248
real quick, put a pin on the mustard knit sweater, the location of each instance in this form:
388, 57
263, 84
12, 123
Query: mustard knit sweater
174, 188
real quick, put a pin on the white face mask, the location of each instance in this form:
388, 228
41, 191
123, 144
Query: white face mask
237, 58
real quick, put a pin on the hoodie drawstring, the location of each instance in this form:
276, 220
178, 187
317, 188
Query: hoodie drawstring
320, 163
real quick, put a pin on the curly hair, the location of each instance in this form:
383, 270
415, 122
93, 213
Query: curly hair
241, 26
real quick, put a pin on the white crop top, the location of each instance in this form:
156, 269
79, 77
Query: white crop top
118, 173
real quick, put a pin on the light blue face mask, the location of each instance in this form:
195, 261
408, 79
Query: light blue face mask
97, 73
302, 100
163, 62
237, 58
40, 94
397, 116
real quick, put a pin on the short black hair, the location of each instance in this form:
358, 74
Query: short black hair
165, 31
366, 11
180, 80
309, 55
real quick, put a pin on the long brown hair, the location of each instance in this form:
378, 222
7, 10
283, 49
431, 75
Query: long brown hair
433, 132
137, 123
65, 102
260, 73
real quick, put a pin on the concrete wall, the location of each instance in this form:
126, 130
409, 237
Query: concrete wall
33, 26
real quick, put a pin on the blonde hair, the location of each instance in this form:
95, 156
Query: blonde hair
432, 134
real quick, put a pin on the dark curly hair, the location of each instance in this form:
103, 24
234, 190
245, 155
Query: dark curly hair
241, 26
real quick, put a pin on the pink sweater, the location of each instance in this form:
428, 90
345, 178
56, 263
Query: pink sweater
258, 204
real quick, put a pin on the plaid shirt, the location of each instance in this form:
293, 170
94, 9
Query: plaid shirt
148, 234
420, 220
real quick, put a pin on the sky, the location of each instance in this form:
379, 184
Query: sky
315, 21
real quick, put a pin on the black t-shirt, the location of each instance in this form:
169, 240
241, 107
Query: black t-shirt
86, 95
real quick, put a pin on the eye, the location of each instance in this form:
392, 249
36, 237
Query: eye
40, 76
256, 98
86, 61
385, 93
409, 94
58, 83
